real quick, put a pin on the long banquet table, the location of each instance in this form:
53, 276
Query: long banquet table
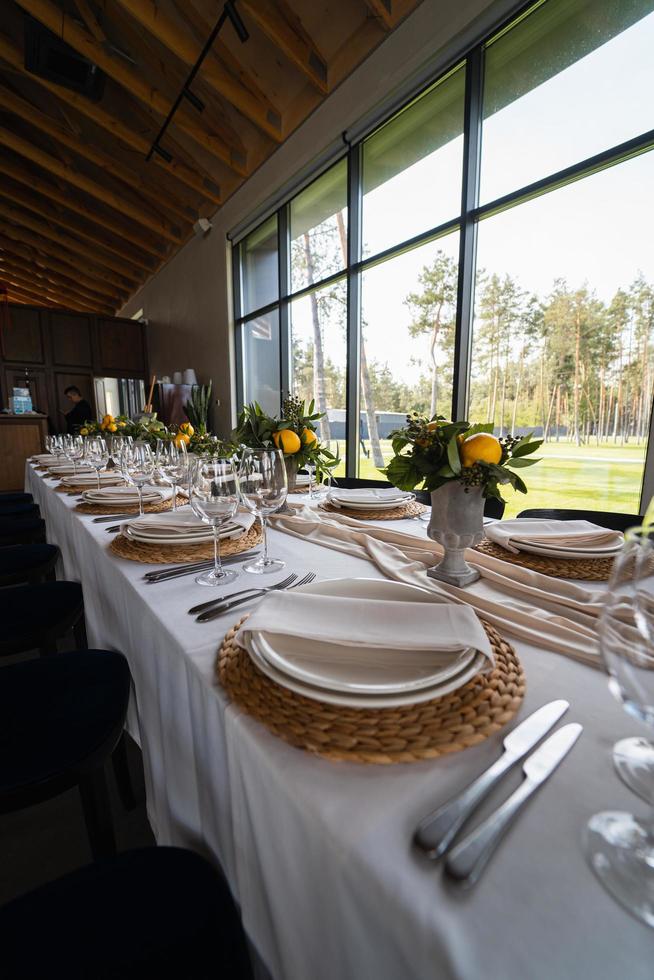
318, 853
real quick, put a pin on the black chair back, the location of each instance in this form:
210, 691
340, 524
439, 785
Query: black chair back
604, 518
492, 506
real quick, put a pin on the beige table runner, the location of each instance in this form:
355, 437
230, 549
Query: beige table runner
553, 613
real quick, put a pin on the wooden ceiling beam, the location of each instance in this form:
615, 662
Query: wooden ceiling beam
75, 259
91, 21
97, 190
117, 129
282, 25
32, 296
24, 282
26, 245
26, 267
25, 110
40, 208
382, 10
235, 86
122, 277
71, 203
63, 26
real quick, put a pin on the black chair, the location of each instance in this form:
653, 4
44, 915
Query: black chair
616, 522
492, 506
37, 616
19, 509
61, 718
16, 497
27, 563
154, 912
22, 531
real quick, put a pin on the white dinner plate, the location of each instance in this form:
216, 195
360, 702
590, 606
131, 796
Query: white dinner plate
469, 664
547, 551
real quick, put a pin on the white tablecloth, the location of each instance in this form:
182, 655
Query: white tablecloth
318, 854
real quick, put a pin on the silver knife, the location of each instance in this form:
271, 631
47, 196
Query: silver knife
437, 831
469, 858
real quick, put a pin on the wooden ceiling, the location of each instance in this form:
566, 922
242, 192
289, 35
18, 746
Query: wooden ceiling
85, 219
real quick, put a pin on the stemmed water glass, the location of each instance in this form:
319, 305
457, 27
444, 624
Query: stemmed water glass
74, 451
172, 464
215, 499
138, 467
620, 846
264, 487
97, 455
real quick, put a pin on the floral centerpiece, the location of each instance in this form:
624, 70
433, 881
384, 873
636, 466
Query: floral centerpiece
294, 433
460, 464
147, 429
199, 441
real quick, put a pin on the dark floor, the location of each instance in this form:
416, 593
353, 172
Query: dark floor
45, 841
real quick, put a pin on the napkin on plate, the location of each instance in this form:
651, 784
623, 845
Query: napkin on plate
124, 495
558, 535
367, 495
90, 480
182, 523
361, 626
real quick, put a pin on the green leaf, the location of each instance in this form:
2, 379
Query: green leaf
480, 427
520, 462
453, 457
402, 473
526, 446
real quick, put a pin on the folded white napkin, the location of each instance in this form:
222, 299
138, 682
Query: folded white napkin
562, 535
367, 495
125, 495
90, 479
439, 629
182, 523
64, 469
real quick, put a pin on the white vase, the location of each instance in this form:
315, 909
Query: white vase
456, 523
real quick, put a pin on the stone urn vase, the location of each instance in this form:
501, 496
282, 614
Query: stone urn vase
291, 471
456, 523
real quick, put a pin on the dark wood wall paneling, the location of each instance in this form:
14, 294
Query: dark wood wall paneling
59, 349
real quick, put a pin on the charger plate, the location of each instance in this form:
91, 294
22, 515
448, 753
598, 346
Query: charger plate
164, 554
583, 569
382, 736
155, 507
414, 509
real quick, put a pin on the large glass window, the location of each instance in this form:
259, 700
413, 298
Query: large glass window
412, 167
408, 318
473, 278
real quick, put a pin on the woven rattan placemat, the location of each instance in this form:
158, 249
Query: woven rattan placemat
377, 735
414, 509
164, 554
156, 507
586, 569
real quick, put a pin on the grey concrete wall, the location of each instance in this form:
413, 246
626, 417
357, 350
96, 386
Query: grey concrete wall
188, 303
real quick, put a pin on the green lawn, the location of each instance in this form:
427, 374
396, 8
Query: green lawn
604, 477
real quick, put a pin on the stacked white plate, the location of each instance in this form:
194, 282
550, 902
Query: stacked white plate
108, 479
370, 498
382, 678
556, 539
124, 495
175, 527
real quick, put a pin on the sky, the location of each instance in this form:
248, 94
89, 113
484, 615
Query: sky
595, 231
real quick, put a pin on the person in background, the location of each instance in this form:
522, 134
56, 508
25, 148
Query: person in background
79, 413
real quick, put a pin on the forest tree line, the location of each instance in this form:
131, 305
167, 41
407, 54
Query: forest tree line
567, 363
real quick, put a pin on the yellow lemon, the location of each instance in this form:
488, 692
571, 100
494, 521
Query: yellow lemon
288, 441
112, 427
182, 439
480, 448
187, 428
309, 437
121, 425
84, 431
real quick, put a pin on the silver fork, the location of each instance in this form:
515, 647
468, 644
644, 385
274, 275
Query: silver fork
225, 607
203, 606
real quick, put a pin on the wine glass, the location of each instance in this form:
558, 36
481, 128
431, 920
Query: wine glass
138, 466
215, 499
264, 487
74, 451
97, 455
620, 846
173, 467
310, 467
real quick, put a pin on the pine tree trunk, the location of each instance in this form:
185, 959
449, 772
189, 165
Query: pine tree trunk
577, 382
318, 352
557, 422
